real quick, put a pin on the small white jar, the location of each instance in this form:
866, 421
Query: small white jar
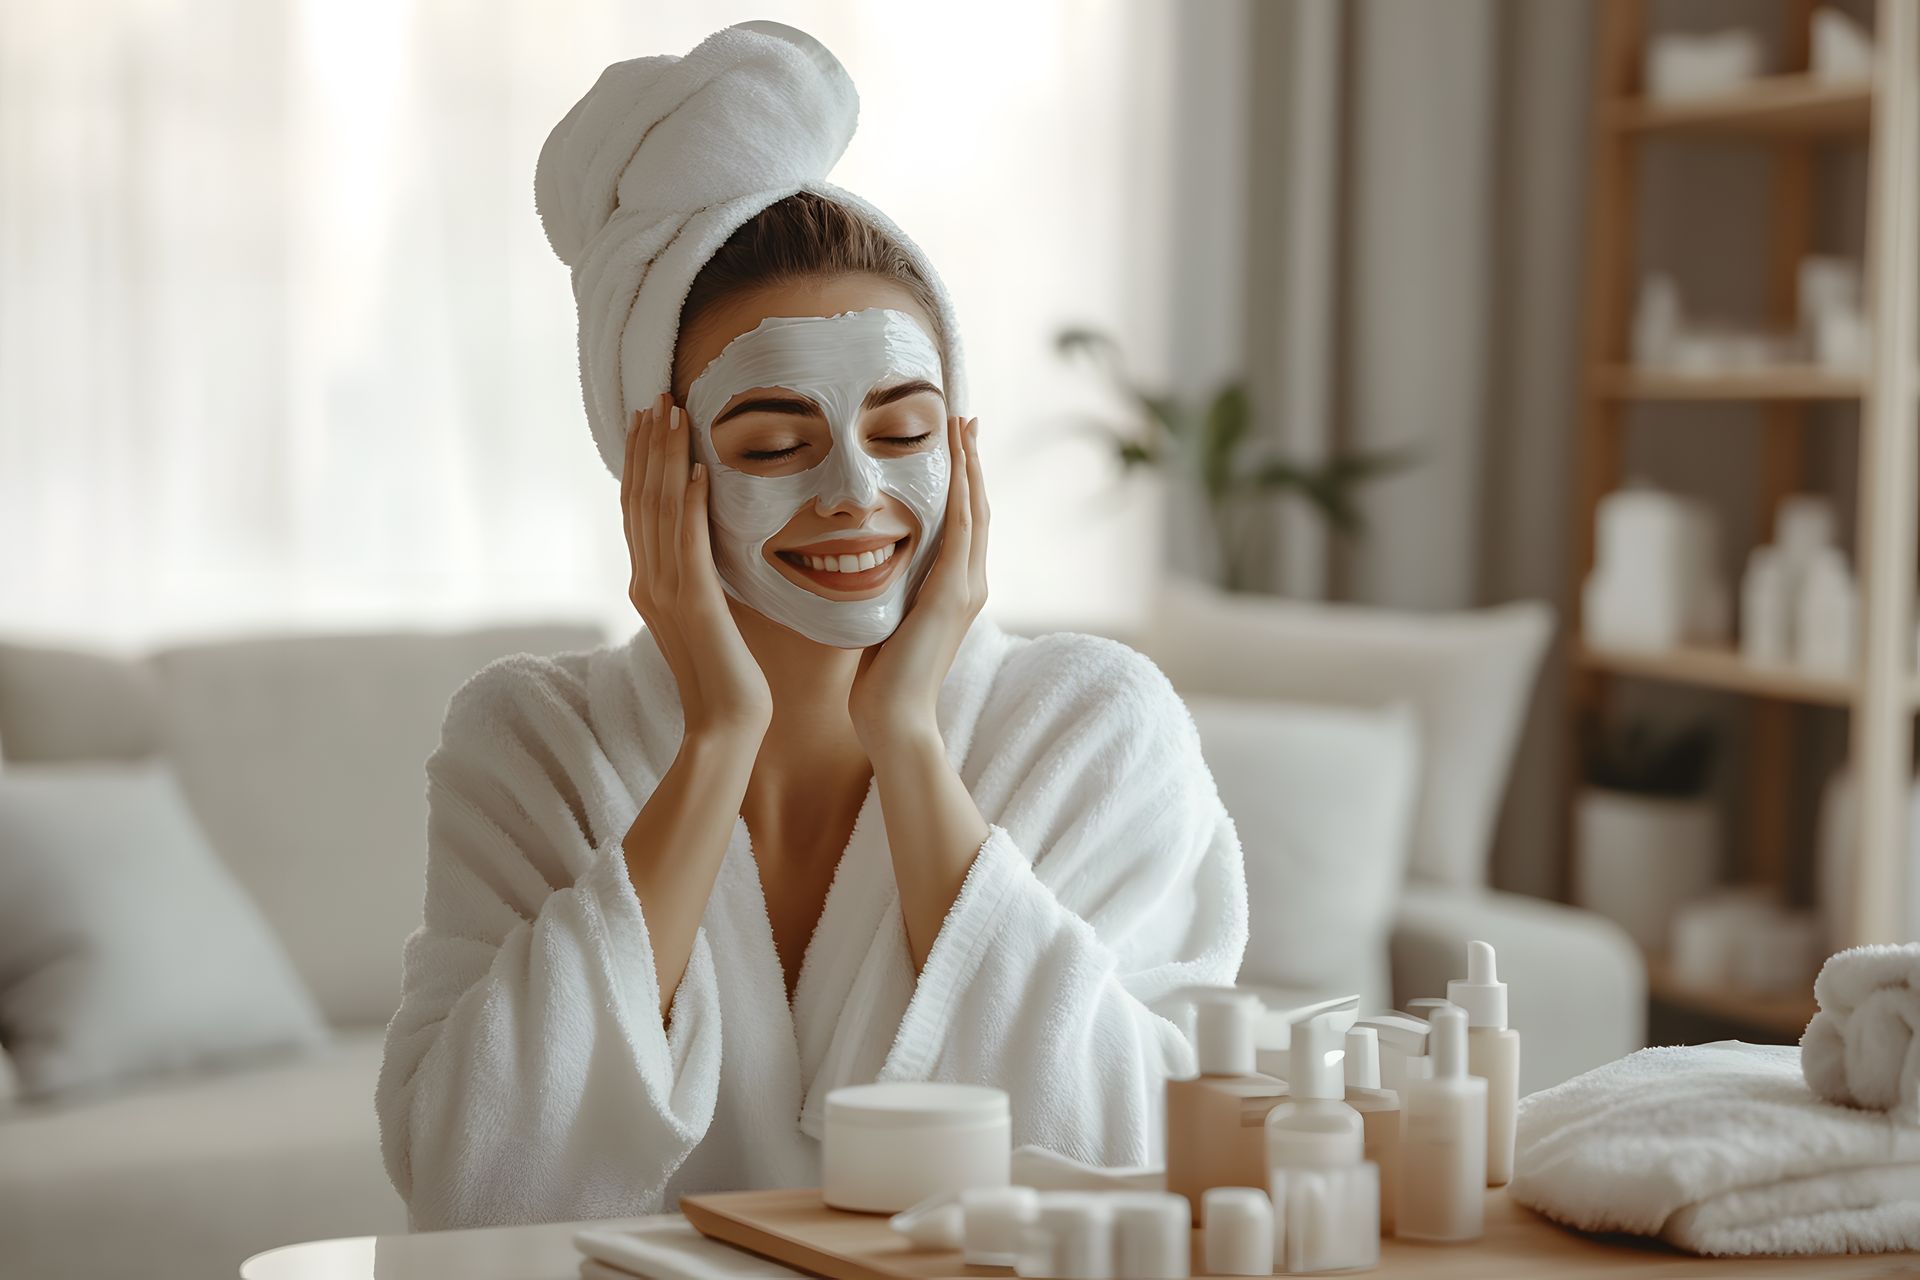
889, 1146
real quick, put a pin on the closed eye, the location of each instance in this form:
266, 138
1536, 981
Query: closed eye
773, 455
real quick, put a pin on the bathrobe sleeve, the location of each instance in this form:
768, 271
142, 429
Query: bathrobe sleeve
528, 1075
1111, 878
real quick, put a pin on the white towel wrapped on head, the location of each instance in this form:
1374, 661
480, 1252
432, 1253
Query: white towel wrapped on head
662, 160
1860, 1049
1719, 1149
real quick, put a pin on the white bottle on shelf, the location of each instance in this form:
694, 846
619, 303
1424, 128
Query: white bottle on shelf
1826, 623
1443, 1142
1493, 1053
1765, 620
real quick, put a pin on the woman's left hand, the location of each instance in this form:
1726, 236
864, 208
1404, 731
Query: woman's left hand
897, 685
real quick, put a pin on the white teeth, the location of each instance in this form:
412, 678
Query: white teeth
851, 563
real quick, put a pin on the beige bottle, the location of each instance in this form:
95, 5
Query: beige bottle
1216, 1121
1443, 1142
1493, 1054
1379, 1112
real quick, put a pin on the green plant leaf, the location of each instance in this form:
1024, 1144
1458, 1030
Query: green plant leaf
1095, 345
1130, 451
1227, 421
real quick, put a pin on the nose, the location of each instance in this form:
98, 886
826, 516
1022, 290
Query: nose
852, 480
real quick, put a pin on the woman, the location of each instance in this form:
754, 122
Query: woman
819, 822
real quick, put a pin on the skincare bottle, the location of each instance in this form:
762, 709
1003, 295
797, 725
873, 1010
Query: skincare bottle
1379, 1115
1326, 1193
1239, 1237
1443, 1143
1403, 1048
1214, 1119
1493, 1054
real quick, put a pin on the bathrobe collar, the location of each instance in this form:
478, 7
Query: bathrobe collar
857, 976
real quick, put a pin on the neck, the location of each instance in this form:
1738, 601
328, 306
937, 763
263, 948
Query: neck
810, 748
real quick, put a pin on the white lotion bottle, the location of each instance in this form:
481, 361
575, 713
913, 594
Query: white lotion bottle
1326, 1193
1493, 1054
1443, 1143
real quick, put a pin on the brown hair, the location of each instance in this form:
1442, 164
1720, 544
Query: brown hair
803, 236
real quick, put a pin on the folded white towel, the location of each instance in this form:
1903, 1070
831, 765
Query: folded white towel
658, 164
1860, 1049
1720, 1149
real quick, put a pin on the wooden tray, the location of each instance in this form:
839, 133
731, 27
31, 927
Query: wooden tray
795, 1228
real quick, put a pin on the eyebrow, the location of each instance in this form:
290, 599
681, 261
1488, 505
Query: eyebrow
801, 407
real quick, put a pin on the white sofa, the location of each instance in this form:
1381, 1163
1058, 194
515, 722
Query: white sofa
302, 758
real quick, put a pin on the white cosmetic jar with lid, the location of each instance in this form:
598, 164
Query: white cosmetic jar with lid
889, 1146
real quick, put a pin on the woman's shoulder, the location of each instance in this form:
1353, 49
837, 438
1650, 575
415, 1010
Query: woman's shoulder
519, 694
1065, 676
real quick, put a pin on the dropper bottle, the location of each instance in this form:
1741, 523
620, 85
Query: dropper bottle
1493, 1054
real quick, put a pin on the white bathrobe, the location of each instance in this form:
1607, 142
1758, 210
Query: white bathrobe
528, 1075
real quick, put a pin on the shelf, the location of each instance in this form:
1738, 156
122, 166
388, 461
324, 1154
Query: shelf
1784, 1015
1787, 382
1721, 669
1790, 106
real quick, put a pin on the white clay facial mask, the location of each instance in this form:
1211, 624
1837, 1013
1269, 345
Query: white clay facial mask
835, 362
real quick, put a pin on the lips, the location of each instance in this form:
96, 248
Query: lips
863, 570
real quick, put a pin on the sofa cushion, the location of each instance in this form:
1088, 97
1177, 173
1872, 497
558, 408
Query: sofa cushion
72, 705
306, 759
1323, 800
126, 947
182, 1180
1469, 675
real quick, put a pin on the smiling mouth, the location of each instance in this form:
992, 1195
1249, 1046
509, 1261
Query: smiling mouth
861, 572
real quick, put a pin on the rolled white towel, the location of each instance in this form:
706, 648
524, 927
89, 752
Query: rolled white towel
1860, 1049
648, 174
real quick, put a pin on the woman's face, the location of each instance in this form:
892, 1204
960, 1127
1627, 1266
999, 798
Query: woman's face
825, 428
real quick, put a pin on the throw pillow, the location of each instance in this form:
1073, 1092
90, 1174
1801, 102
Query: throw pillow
126, 947
1469, 675
1323, 799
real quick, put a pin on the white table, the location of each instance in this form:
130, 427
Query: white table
543, 1252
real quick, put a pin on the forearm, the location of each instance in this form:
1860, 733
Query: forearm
933, 828
677, 841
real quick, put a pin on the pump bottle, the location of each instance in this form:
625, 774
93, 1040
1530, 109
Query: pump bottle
1215, 1120
1326, 1193
1493, 1054
1443, 1142
1379, 1114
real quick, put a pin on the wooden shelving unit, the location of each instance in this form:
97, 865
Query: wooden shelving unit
1791, 115
1721, 669
1782, 1015
1797, 105
1626, 383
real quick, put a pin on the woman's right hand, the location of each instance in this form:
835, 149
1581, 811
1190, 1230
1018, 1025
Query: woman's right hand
676, 586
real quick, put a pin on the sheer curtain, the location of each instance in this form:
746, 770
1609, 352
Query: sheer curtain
282, 344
